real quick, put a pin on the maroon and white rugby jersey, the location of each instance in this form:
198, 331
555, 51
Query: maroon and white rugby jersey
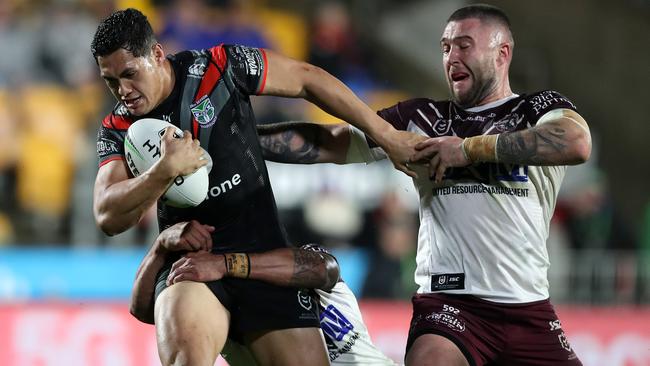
483, 229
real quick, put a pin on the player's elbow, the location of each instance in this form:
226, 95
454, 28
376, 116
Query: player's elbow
109, 225
141, 314
581, 148
332, 273
311, 78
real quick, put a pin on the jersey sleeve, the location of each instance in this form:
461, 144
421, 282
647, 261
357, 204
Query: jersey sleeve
541, 103
248, 67
364, 149
393, 116
110, 141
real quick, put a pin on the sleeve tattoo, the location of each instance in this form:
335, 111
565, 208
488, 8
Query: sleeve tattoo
540, 145
290, 142
311, 270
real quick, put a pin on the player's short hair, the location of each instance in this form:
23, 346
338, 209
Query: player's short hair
485, 13
128, 29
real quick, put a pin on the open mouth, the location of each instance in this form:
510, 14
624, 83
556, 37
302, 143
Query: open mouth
131, 103
459, 76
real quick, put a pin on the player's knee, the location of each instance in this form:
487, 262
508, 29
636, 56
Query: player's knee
179, 355
174, 358
434, 350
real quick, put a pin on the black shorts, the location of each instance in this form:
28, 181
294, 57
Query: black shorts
256, 305
489, 333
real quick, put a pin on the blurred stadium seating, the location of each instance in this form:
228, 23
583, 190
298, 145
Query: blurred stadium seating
64, 286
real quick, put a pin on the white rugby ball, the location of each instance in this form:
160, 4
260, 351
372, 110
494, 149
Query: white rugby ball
142, 150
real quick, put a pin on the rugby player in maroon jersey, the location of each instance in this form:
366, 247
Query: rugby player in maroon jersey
494, 161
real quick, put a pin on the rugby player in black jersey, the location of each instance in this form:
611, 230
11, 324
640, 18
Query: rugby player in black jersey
495, 160
207, 94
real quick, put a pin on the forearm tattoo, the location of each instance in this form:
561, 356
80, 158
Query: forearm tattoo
308, 269
290, 143
541, 145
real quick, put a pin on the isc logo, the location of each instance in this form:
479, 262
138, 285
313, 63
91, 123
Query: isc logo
334, 324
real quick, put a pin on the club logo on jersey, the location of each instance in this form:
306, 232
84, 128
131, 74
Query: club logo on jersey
196, 70
304, 300
508, 123
203, 112
442, 126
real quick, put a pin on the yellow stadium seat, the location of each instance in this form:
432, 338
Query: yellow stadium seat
286, 31
53, 128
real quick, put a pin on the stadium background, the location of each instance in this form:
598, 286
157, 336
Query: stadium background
64, 285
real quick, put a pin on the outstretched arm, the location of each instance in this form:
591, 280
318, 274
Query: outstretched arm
184, 236
304, 142
291, 78
561, 138
290, 267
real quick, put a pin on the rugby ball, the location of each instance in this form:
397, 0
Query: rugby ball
142, 150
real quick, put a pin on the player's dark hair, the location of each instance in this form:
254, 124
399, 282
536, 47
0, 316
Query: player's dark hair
484, 12
128, 29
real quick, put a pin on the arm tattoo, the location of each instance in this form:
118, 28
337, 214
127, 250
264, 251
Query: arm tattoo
309, 269
540, 145
290, 142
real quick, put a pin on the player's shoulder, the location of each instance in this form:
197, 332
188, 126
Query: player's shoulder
191, 63
408, 109
118, 119
544, 101
412, 105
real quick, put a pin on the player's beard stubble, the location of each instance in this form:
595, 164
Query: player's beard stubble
483, 85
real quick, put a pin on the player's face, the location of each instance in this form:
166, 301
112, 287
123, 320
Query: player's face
468, 53
134, 81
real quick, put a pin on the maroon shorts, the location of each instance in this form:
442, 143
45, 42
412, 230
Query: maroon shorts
491, 333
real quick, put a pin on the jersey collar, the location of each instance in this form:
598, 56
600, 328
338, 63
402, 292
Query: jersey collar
496, 103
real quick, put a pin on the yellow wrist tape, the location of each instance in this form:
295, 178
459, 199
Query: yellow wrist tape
237, 265
481, 148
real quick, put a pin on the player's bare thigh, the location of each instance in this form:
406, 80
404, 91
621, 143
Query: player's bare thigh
289, 347
191, 325
434, 350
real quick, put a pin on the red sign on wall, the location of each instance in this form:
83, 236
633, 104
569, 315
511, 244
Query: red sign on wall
106, 334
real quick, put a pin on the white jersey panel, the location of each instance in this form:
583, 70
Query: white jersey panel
347, 338
484, 235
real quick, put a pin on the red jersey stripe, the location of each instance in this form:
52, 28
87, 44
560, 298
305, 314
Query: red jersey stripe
116, 122
210, 79
116, 157
266, 70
